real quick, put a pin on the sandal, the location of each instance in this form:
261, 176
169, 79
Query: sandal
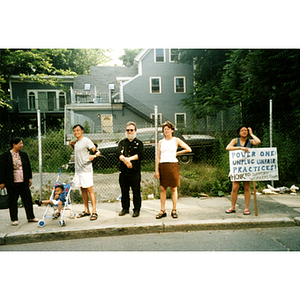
161, 214
230, 211
174, 214
247, 212
56, 215
83, 214
94, 216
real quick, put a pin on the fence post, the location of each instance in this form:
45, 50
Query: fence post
156, 142
40, 150
271, 132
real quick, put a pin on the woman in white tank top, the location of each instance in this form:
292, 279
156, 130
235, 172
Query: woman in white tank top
166, 166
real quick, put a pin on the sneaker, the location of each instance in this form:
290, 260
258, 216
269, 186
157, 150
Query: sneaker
14, 223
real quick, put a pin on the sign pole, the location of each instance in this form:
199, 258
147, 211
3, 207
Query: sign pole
254, 195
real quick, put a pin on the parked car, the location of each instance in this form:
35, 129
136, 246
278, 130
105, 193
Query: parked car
202, 145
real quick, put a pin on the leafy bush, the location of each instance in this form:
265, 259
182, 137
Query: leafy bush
54, 153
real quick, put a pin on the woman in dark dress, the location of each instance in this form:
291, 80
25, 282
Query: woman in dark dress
16, 176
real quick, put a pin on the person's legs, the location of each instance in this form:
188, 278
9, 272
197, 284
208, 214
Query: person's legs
234, 195
136, 190
247, 192
91, 192
174, 197
174, 201
163, 197
59, 206
47, 201
85, 198
27, 201
13, 194
124, 185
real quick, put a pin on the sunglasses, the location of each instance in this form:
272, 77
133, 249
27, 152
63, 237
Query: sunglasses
129, 130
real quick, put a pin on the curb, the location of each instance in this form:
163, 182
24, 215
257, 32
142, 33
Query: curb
116, 230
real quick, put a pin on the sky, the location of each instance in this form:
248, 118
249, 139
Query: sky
115, 54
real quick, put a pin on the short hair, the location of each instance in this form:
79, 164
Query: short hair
79, 126
60, 186
239, 129
168, 124
131, 123
15, 140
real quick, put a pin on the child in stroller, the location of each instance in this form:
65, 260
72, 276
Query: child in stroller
59, 199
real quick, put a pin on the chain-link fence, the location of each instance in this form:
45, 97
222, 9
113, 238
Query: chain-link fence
208, 138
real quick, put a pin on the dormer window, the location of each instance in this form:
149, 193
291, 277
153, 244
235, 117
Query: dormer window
87, 87
159, 55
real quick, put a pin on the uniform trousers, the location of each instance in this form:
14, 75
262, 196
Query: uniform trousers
127, 179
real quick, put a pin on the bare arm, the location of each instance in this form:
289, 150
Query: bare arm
72, 144
255, 140
182, 144
92, 157
157, 160
231, 146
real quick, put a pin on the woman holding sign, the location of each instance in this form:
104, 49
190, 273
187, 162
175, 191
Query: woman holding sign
242, 143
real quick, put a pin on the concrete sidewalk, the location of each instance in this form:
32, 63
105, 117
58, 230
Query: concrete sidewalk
194, 214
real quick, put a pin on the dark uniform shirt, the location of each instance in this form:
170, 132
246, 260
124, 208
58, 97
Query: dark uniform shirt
130, 148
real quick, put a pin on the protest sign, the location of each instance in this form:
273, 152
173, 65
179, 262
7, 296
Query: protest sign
259, 164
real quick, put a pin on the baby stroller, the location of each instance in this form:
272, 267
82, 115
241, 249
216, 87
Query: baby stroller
66, 205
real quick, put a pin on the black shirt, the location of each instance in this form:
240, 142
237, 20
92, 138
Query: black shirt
130, 148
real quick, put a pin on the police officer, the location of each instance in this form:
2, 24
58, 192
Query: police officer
130, 152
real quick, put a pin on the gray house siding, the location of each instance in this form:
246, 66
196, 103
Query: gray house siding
167, 101
19, 92
120, 118
93, 118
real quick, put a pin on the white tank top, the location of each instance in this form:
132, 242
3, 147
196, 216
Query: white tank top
168, 150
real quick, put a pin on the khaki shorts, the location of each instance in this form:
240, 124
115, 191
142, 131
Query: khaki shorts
84, 180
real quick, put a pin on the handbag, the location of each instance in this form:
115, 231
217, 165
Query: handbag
4, 199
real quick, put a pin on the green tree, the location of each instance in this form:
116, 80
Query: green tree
253, 77
250, 77
41, 65
128, 56
78, 60
205, 98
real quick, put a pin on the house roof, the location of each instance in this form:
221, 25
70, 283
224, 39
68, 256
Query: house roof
62, 77
141, 55
101, 76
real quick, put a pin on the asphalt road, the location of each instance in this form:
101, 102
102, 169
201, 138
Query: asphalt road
267, 239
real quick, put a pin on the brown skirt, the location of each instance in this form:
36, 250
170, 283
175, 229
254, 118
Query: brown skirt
169, 174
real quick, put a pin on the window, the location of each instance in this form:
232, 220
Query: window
155, 85
179, 84
46, 100
173, 54
159, 118
87, 86
180, 120
31, 101
62, 100
159, 55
